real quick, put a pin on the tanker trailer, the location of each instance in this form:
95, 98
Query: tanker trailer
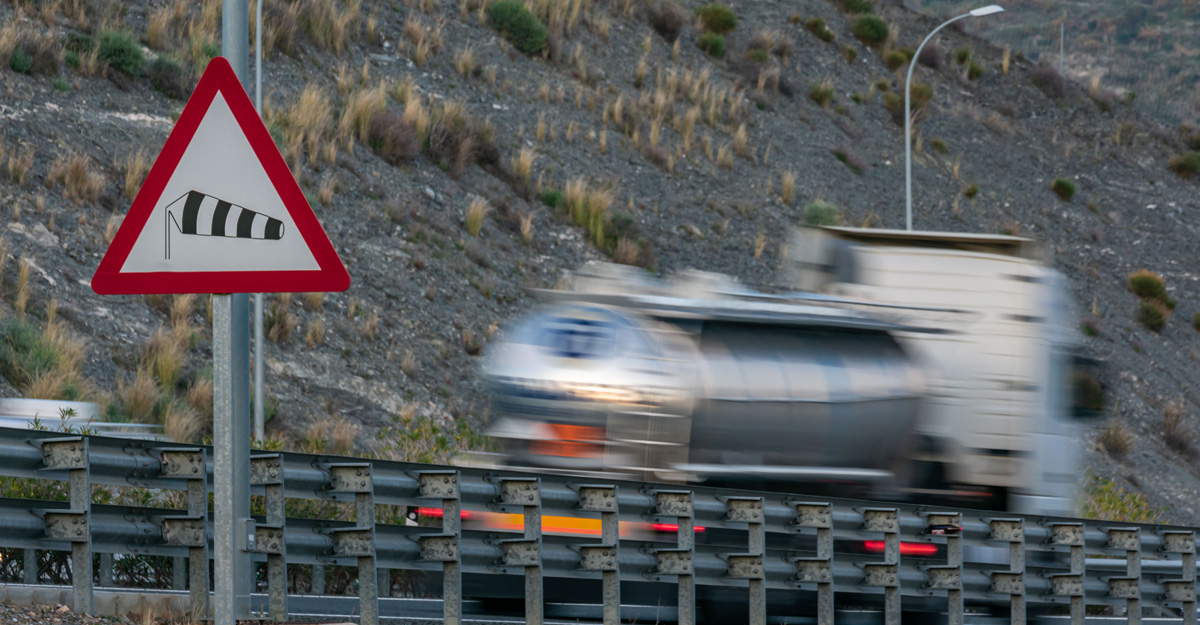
701, 380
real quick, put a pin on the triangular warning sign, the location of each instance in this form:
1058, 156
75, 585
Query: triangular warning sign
220, 211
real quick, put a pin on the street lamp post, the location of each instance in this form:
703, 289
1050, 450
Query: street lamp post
980, 12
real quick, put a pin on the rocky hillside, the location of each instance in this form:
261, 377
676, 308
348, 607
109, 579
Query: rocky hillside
457, 154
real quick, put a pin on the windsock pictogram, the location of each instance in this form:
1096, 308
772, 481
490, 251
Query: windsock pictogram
196, 213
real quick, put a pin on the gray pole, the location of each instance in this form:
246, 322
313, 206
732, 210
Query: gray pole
259, 347
1061, 49
231, 394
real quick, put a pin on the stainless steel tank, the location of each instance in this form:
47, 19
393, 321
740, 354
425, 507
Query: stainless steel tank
687, 384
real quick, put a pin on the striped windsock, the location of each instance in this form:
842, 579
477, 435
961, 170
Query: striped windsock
204, 215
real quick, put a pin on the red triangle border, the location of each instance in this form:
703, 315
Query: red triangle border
219, 77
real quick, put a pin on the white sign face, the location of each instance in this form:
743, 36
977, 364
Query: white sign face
219, 211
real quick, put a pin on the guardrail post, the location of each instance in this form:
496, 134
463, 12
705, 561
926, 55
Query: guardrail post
949, 577
267, 471
190, 465
71, 454
750, 565
819, 570
604, 557
1012, 581
526, 552
678, 561
1070, 584
316, 583
29, 566
1129, 540
359, 541
444, 547
886, 573
106, 571
1183, 589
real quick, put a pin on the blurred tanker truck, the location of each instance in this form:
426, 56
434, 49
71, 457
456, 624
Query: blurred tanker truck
927, 365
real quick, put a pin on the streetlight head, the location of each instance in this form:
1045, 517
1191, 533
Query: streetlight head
987, 10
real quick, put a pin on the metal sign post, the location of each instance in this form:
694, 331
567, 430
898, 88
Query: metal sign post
231, 400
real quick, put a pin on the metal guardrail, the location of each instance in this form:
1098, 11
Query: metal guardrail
759, 521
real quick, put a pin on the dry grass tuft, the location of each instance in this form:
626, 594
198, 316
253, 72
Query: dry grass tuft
136, 167
787, 187
310, 118
21, 300
370, 328
522, 164
464, 61
315, 334
19, 164
360, 107
278, 321
139, 397
181, 422
1176, 432
1116, 441
74, 174
741, 142
314, 301
200, 395
163, 356
475, 213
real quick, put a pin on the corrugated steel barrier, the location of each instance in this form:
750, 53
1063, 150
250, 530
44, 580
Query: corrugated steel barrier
1140, 569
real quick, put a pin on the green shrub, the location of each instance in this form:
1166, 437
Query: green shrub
1103, 499
72, 59
849, 53
821, 213
971, 191
20, 62
1150, 286
821, 93
962, 55
818, 27
894, 60
757, 55
518, 25
24, 354
712, 44
717, 18
553, 198
1186, 164
974, 71
79, 43
121, 52
870, 29
168, 77
857, 6
62, 85
1063, 188
921, 93
1153, 314
939, 146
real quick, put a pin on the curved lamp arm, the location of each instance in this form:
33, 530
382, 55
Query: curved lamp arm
980, 12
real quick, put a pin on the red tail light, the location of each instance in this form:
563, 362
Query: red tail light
437, 512
671, 527
906, 549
